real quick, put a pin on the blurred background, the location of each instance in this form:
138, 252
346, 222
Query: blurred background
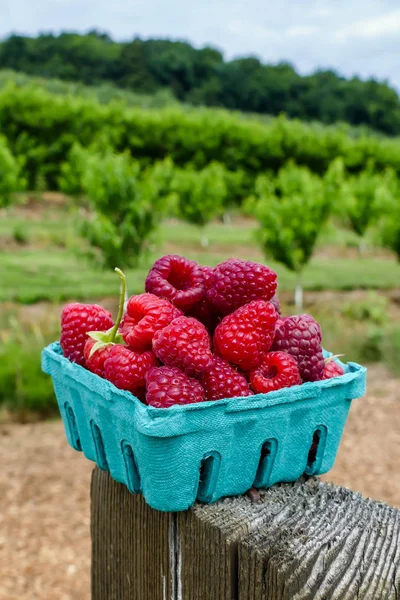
265, 131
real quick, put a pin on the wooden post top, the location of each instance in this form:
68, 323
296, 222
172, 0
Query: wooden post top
307, 540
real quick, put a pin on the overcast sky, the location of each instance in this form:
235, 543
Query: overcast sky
352, 36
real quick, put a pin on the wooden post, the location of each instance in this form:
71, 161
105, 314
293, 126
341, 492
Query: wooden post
303, 541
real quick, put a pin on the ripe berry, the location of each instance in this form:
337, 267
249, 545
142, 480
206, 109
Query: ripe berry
332, 369
95, 362
76, 320
146, 314
166, 386
204, 311
301, 337
276, 304
244, 336
236, 282
278, 370
221, 380
185, 344
179, 280
127, 369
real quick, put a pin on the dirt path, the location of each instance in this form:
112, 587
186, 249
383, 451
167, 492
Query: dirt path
44, 493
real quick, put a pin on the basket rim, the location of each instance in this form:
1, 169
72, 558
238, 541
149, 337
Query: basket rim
305, 391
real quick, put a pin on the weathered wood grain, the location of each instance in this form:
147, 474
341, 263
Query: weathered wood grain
308, 540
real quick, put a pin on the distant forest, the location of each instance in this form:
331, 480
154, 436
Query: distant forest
203, 77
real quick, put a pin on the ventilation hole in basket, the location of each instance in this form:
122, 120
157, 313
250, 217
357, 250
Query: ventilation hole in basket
209, 469
132, 473
316, 451
101, 458
72, 428
267, 459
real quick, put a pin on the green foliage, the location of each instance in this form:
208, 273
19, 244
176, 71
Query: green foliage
42, 127
125, 209
291, 210
373, 308
202, 76
200, 195
10, 177
24, 388
389, 206
20, 234
361, 193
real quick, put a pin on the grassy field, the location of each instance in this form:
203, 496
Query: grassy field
41, 258
41, 267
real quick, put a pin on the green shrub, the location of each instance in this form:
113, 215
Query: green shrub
10, 174
24, 388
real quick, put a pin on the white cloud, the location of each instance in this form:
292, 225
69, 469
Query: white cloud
372, 28
301, 31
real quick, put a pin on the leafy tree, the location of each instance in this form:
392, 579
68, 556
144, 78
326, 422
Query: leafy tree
200, 195
125, 209
291, 210
11, 180
361, 193
389, 210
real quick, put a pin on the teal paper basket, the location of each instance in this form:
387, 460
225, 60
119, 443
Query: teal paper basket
208, 450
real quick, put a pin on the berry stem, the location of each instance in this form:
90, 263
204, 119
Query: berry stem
121, 304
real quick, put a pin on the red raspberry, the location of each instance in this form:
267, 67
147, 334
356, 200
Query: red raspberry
146, 314
278, 370
127, 369
301, 337
204, 311
76, 320
179, 280
166, 386
221, 380
236, 282
185, 344
95, 363
332, 369
244, 336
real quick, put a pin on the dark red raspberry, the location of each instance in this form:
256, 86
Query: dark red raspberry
236, 282
185, 344
277, 305
301, 337
278, 370
204, 310
127, 369
76, 320
166, 386
332, 369
244, 336
146, 314
95, 363
179, 280
221, 380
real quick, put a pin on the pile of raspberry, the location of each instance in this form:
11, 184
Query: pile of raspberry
198, 333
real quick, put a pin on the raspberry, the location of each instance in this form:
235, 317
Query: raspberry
185, 344
276, 304
179, 280
127, 369
244, 336
278, 370
146, 314
301, 337
166, 386
221, 380
76, 320
332, 369
236, 282
95, 363
204, 311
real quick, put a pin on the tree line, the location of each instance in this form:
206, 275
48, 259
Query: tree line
203, 77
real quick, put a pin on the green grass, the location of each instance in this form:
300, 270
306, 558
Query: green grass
29, 276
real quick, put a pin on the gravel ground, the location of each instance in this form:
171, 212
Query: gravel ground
44, 493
